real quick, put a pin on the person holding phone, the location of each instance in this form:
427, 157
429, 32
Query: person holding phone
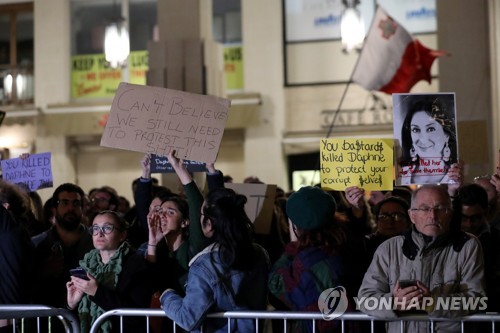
444, 261
117, 277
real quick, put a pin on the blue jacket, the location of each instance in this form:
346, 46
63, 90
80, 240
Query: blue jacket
212, 288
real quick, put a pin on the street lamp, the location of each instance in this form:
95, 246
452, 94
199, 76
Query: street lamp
116, 42
352, 28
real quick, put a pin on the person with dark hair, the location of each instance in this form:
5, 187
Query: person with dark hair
491, 184
115, 277
426, 268
61, 247
174, 229
391, 219
312, 261
145, 191
103, 198
473, 200
228, 275
428, 141
16, 250
175, 234
403, 192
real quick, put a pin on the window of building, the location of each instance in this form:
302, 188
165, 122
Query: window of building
16, 53
90, 17
226, 26
227, 21
91, 75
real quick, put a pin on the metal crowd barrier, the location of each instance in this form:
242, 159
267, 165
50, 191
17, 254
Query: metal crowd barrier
20, 312
290, 316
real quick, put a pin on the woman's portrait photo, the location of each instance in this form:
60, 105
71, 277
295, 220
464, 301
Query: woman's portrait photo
425, 137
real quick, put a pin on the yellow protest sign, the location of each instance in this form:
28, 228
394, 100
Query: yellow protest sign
366, 163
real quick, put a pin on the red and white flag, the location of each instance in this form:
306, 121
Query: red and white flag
392, 60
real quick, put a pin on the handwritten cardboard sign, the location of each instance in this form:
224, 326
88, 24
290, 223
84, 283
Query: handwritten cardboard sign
366, 163
160, 164
157, 120
260, 203
31, 174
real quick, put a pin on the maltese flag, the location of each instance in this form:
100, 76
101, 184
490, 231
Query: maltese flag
392, 60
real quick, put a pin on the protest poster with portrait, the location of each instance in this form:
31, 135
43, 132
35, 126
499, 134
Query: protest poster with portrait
425, 137
157, 120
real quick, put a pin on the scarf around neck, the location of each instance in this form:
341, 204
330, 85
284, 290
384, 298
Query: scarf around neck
107, 276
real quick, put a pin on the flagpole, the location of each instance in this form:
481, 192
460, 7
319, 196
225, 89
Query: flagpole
330, 128
337, 111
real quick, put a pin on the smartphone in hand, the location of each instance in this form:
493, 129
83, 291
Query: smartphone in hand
79, 273
407, 283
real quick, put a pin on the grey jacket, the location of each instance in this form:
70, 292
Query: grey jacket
448, 265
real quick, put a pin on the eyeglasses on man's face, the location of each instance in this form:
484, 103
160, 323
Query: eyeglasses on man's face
65, 203
105, 229
439, 210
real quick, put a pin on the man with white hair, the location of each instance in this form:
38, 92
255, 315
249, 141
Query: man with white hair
429, 269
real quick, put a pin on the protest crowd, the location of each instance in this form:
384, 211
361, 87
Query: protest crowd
392, 230
195, 251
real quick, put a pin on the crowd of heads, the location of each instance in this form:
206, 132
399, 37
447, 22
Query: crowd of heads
309, 217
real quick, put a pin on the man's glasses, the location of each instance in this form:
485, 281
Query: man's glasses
393, 216
105, 229
439, 210
66, 203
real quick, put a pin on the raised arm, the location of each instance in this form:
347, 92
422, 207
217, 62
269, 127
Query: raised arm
197, 240
215, 178
143, 192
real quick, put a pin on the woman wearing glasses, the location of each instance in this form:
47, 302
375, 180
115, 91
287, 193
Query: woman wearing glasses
392, 219
116, 276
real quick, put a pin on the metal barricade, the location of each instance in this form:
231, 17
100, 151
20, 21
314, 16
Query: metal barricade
291, 316
19, 312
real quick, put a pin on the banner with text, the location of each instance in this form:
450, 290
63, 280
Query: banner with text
157, 120
91, 75
366, 163
32, 173
233, 67
160, 164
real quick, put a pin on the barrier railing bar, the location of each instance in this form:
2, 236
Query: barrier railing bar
285, 316
15, 311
